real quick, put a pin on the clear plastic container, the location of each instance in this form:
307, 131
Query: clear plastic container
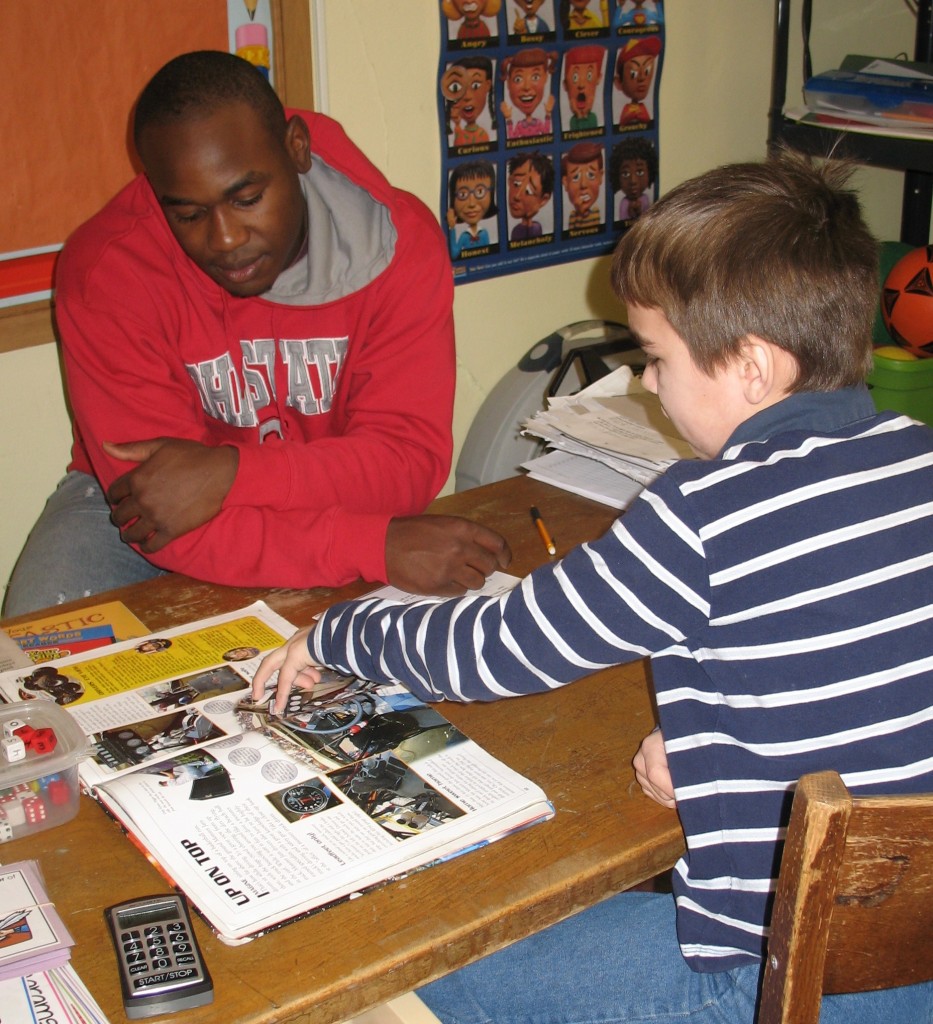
38, 787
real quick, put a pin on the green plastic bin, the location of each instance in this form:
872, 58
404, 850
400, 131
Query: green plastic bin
904, 385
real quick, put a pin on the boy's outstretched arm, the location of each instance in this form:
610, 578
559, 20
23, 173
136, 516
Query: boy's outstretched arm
651, 771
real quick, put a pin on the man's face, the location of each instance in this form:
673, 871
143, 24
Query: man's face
633, 177
526, 87
704, 408
580, 81
526, 196
230, 193
583, 183
635, 80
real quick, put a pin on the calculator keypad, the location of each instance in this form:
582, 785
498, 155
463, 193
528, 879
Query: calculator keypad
157, 949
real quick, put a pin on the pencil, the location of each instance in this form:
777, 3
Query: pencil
542, 529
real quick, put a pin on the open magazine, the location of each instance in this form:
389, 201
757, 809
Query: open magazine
261, 818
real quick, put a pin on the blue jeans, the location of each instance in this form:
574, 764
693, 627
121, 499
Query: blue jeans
73, 551
619, 961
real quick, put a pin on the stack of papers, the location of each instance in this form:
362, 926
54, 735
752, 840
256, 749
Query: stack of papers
32, 935
606, 442
37, 982
56, 995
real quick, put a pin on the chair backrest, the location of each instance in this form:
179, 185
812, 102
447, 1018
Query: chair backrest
853, 910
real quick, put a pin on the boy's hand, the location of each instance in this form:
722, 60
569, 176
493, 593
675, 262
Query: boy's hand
651, 770
178, 486
293, 663
442, 555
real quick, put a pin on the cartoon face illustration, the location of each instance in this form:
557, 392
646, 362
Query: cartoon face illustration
531, 182
583, 176
471, 13
529, 8
583, 71
635, 67
467, 85
580, 17
472, 198
526, 84
634, 177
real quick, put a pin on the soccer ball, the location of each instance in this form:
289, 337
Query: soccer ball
907, 301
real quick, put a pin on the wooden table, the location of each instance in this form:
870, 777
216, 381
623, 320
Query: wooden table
576, 743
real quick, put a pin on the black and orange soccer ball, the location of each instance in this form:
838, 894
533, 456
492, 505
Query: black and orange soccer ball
907, 301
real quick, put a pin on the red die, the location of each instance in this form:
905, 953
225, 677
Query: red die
59, 792
34, 809
42, 741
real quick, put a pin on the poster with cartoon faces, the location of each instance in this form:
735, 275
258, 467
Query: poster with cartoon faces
548, 112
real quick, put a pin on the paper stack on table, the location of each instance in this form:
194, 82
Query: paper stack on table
607, 441
37, 982
32, 935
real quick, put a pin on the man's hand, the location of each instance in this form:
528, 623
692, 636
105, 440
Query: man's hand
178, 486
651, 770
294, 666
442, 555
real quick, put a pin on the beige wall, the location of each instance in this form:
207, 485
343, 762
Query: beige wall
380, 62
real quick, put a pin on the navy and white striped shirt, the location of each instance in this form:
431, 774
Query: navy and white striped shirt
784, 592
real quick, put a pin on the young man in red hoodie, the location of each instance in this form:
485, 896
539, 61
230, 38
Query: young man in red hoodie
258, 341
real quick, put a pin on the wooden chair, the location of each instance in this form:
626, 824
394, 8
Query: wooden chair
854, 905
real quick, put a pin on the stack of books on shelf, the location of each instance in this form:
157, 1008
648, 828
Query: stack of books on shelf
606, 442
871, 95
37, 981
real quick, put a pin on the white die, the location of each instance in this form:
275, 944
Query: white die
13, 749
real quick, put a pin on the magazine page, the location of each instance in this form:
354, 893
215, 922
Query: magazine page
354, 784
162, 693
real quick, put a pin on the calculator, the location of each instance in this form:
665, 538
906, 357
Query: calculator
161, 969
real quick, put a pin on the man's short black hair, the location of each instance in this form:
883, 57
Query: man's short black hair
201, 81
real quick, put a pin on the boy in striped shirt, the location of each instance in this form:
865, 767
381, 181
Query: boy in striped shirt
782, 585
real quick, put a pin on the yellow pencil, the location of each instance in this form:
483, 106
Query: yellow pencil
542, 529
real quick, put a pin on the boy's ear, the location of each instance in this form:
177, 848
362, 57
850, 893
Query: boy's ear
765, 370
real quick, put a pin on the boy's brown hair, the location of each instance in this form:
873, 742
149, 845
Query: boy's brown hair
778, 249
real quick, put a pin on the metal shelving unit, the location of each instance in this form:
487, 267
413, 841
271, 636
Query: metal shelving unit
909, 155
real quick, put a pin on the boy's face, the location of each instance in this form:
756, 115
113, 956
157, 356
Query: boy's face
230, 193
705, 409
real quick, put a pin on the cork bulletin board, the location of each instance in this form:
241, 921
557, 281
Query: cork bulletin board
72, 71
